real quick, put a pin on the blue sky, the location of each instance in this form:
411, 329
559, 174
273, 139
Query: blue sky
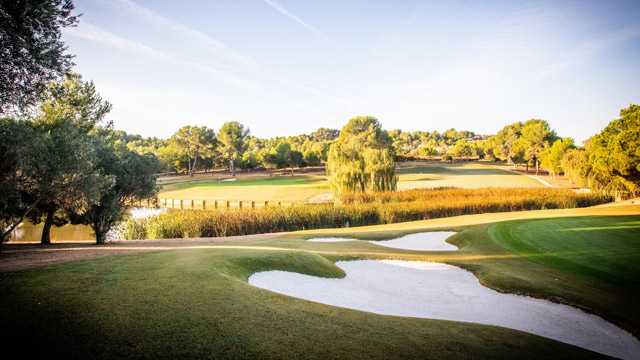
285, 67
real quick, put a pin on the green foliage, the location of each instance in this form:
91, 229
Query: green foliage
312, 158
132, 178
356, 210
71, 110
576, 166
32, 52
615, 153
72, 100
536, 137
195, 142
552, 157
270, 161
610, 160
22, 155
362, 158
293, 158
462, 149
232, 137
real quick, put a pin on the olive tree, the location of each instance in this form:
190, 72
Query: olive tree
31, 52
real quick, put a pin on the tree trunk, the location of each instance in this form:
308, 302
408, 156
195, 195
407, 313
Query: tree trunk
189, 161
527, 169
193, 166
46, 229
100, 231
232, 166
292, 171
536, 166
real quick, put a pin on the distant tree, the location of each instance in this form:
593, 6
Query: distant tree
450, 136
232, 137
576, 167
427, 150
362, 158
323, 134
552, 156
536, 137
293, 158
250, 159
270, 162
312, 158
505, 144
462, 149
280, 150
132, 178
196, 141
31, 52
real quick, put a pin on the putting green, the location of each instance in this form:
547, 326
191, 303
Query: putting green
603, 248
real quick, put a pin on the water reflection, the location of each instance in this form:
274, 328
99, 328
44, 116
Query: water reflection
27, 231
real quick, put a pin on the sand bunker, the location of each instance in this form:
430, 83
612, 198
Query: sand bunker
439, 291
426, 241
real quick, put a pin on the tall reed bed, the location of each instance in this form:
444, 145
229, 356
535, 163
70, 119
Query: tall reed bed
354, 210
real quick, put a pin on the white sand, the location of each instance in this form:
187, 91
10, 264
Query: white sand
439, 291
426, 241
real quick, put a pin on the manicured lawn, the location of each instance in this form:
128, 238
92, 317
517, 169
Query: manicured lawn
464, 175
246, 188
196, 302
601, 248
302, 187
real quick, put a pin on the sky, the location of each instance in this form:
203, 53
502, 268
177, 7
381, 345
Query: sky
286, 67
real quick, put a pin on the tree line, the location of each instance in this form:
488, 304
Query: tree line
63, 164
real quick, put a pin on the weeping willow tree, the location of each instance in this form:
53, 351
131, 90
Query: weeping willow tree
362, 158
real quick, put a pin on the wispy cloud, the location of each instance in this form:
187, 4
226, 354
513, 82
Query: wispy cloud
291, 16
218, 48
90, 32
212, 45
93, 33
299, 85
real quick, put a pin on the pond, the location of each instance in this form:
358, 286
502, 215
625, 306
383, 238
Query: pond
27, 231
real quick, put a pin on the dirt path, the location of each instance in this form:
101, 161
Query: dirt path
18, 256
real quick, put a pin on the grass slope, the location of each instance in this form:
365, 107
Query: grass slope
196, 302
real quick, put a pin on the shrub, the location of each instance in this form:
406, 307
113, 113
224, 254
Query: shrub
355, 210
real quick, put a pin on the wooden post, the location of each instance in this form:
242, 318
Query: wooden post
228, 204
193, 205
253, 204
239, 204
266, 203
204, 204
215, 204
173, 203
181, 204
279, 203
